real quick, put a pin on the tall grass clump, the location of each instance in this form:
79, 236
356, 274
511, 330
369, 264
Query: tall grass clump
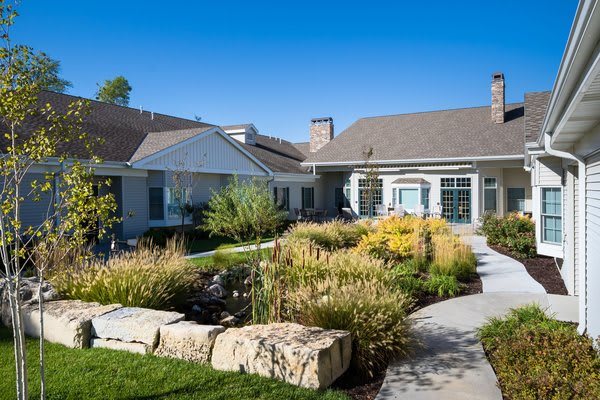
149, 277
331, 235
375, 316
451, 257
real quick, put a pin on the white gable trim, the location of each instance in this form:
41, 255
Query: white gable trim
143, 163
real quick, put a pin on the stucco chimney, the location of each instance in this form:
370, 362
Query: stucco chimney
498, 97
321, 132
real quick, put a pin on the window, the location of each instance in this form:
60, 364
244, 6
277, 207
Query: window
490, 195
156, 203
282, 197
175, 199
552, 215
455, 182
348, 191
376, 197
409, 198
425, 198
516, 199
308, 197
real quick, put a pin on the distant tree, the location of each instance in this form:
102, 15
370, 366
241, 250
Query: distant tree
47, 73
197, 118
115, 91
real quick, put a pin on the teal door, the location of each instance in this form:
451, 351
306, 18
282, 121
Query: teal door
456, 205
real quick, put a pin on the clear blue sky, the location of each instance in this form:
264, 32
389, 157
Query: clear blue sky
279, 65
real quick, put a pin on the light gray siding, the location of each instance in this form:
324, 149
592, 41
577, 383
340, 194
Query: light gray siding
33, 213
576, 232
135, 206
156, 179
203, 185
549, 171
592, 262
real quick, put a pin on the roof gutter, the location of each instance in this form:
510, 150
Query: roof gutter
417, 161
581, 192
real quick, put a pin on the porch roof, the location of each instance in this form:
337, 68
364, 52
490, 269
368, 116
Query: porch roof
410, 181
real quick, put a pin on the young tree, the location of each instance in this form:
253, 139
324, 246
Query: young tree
115, 91
182, 182
64, 191
48, 71
244, 211
371, 180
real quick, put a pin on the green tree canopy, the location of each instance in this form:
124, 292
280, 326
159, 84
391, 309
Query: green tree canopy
115, 91
47, 73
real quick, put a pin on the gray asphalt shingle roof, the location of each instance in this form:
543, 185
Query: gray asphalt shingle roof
279, 155
536, 104
157, 141
458, 133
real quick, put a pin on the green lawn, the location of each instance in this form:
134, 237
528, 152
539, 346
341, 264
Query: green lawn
110, 374
217, 242
225, 260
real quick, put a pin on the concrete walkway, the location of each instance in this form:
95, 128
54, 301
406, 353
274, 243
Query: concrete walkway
450, 363
240, 249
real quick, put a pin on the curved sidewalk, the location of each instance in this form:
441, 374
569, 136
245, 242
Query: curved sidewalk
450, 363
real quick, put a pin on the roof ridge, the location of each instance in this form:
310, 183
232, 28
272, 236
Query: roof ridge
436, 111
125, 107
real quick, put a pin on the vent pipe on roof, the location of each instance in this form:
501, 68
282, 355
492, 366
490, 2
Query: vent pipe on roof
141, 109
498, 97
152, 115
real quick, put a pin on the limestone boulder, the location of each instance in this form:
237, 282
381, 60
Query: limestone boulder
132, 347
28, 293
68, 322
304, 356
187, 340
133, 324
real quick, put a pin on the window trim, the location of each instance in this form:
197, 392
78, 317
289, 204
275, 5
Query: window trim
164, 211
188, 195
495, 189
557, 216
312, 189
524, 198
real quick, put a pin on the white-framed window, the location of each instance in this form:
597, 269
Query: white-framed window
425, 198
490, 194
552, 215
308, 197
282, 197
174, 199
515, 199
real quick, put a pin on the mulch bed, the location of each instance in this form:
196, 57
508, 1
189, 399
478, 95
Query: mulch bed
474, 286
542, 269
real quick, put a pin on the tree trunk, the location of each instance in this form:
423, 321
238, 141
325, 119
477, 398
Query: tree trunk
13, 301
41, 307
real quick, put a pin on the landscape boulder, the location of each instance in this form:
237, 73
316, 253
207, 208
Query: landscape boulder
28, 292
304, 356
133, 324
68, 322
132, 347
187, 340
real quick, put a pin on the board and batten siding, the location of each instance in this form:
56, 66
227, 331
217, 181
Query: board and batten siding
592, 262
212, 152
135, 206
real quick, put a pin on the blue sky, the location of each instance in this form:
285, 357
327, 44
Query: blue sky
278, 64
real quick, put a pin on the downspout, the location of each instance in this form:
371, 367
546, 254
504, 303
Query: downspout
581, 187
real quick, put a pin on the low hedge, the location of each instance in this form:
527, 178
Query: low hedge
515, 232
537, 357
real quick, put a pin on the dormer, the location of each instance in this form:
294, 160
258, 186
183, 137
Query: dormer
245, 133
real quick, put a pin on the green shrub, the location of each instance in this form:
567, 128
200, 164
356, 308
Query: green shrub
453, 258
410, 285
514, 232
149, 276
375, 316
331, 235
442, 285
537, 357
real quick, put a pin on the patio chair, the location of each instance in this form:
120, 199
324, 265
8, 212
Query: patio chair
399, 210
418, 211
436, 211
347, 214
381, 210
297, 213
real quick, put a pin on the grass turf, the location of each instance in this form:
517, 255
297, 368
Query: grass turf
109, 374
218, 243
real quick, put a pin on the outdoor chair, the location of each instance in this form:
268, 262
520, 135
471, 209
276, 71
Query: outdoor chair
347, 214
436, 211
297, 213
399, 210
381, 210
418, 211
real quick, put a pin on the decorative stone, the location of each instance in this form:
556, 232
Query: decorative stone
218, 280
218, 291
28, 292
132, 324
188, 341
236, 294
132, 347
229, 321
304, 356
68, 322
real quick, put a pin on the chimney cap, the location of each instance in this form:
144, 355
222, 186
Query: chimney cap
497, 75
322, 120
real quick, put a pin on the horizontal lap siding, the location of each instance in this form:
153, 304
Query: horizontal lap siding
549, 171
592, 282
33, 213
576, 238
135, 201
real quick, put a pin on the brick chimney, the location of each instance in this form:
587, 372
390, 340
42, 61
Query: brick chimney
498, 97
321, 132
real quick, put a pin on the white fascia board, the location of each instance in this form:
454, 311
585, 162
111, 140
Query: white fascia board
417, 161
583, 38
283, 177
201, 170
216, 130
